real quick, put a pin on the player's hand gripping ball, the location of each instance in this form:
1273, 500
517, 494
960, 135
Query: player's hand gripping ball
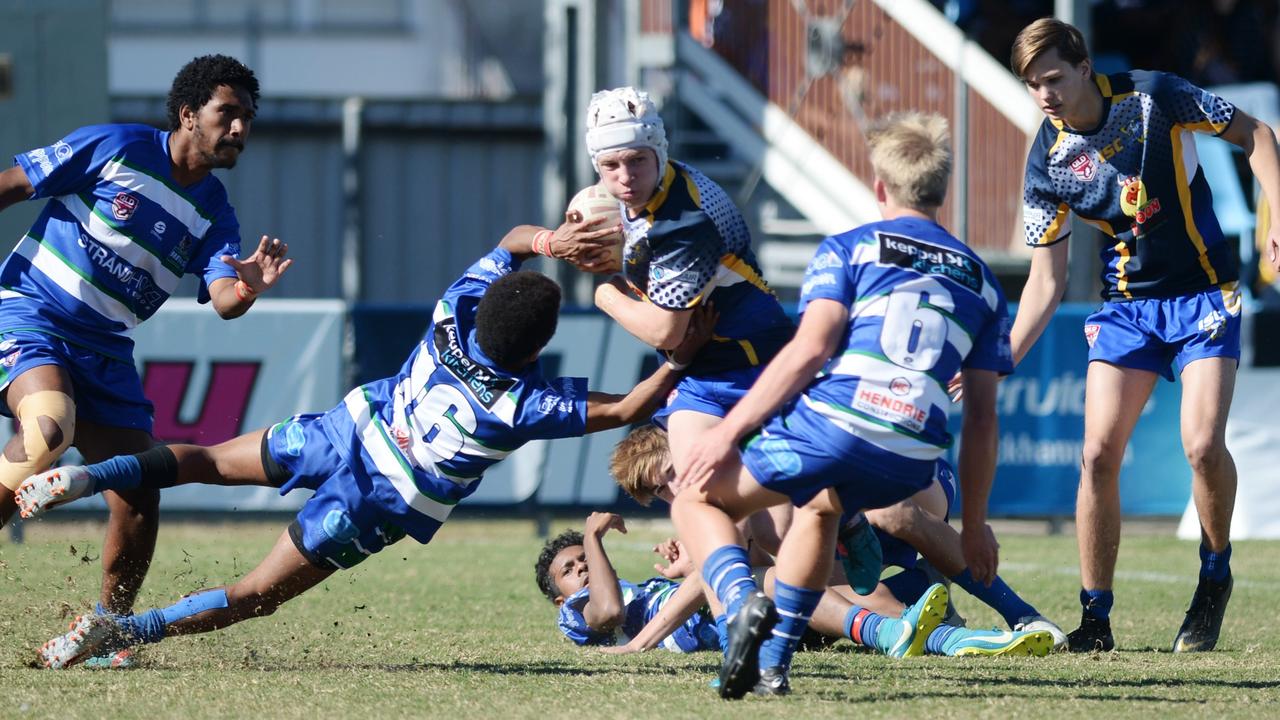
592, 203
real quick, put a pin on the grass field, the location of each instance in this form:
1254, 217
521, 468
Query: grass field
458, 629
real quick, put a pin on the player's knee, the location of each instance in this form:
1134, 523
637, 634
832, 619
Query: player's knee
1205, 455
1100, 460
46, 428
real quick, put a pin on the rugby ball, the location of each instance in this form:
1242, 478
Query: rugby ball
595, 202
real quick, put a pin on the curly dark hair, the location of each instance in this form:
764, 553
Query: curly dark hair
196, 82
517, 317
542, 568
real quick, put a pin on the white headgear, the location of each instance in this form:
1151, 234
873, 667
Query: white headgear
624, 118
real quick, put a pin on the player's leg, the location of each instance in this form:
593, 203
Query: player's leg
1114, 398
283, 575
1206, 399
40, 399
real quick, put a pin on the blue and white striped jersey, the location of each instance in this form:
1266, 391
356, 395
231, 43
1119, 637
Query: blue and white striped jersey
114, 239
641, 603
922, 305
427, 435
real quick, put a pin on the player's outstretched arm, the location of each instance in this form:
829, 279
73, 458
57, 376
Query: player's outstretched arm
821, 328
254, 275
979, 441
582, 244
1259, 143
14, 187
683, 603
606, 411
1046, 283
604, 609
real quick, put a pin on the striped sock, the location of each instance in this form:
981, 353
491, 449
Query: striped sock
795, 607
934, 644
1215, 566
728, 571
863, 626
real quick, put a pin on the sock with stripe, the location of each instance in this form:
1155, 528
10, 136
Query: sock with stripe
1097, 603
795, 606
1215, 566
863, 626
728, 571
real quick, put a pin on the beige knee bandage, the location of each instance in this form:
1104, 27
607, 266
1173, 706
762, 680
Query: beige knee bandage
46, 427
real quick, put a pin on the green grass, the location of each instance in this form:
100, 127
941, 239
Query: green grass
458, 629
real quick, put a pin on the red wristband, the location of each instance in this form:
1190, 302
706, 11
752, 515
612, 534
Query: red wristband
542, 242
243, 291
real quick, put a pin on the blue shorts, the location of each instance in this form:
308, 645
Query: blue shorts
1159, 334
107, 391
800, 465
713, 395
341, 524
897, 552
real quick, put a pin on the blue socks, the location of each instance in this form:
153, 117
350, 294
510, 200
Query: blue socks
1097, 603
728, 571
999, 596
722, 631
795, 606
150, 626
937, 640
1215, 566
863, 626
122, 472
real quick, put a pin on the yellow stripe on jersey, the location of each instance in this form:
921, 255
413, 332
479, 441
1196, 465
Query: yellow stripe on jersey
1055, 227
1206, 126
745, 271
750, 350
692, 187
1056, 141
1122, 282
1102, 225
664, 188
1184, 197
1231, 297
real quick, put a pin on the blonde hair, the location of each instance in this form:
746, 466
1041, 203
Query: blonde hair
638, 459
911, 154
1043, 35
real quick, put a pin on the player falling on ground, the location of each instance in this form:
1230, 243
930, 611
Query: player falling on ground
854, 410
130, 211
685, 245
393, 458
1117, 150
675, 610
905, 531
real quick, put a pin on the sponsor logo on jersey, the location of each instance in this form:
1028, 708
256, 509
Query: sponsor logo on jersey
481, 382
1091, 334
929, 259
817, 281
554, 403
402, 437
123, 205
11, 359
138, 284
870, 400
158, 229
40, 157
1084, 168
828, 259
1213, 324
61, 151
900, 386
181, 252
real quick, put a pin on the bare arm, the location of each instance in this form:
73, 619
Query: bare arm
788, 373
979, 438
1041, 296
14, 187
654, 326
683, 603
1259, 144
254, 275
604, 608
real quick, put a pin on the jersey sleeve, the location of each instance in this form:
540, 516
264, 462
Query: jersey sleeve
70, 165
991, 347
1044, 216
574, 625
482, 273
554, 409
827, 276
685, 259
223, 238
1192, 107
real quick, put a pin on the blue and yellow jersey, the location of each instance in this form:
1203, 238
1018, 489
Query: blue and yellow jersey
689, 245
1137, 178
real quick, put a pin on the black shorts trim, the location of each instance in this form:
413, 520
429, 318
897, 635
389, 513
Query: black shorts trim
277, 474
295, 534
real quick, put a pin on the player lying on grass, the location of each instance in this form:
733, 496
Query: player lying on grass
677, 615
852, 413
392, 459
913, 535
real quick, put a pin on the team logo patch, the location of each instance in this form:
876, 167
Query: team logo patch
123, 206
900, 386
11, 359
781, 456
1084, 168
294, 439
1091, 334
62, 151
339, 526
402, 438
1212, 324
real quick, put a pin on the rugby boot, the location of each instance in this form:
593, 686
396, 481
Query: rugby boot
1200, 628
747, 631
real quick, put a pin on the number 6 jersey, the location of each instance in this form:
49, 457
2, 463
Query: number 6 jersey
922, 306
427, 435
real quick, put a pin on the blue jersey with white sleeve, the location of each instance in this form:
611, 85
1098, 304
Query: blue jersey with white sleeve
427, 435
641, 603
922, 306
115, 237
